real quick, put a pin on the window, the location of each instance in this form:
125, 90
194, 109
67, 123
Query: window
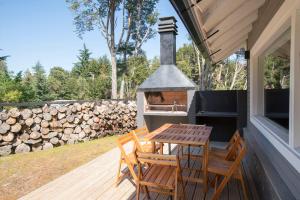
276, 69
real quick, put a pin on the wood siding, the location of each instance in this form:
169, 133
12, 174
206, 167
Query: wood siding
265, 13
273, 175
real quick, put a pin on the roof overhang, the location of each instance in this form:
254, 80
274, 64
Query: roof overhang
218, 27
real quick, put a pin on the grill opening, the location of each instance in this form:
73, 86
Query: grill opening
168, 101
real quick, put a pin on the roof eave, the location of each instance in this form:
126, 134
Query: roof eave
188, 20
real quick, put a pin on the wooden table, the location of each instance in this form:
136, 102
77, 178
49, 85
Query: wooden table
185, 134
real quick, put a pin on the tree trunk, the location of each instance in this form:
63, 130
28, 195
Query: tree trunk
122, 88
113, 76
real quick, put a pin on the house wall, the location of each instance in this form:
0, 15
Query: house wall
272, 173
265, 13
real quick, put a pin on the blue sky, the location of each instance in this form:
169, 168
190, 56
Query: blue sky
43, 30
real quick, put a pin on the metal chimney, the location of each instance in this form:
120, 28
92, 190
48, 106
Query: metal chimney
167, 29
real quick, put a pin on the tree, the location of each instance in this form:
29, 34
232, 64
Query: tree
102, 15
57, 81
40, 82
28, 87
138, 72
81, 67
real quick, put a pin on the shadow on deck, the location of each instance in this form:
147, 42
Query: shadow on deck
96, 180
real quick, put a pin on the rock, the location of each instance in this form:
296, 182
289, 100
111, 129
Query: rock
71, 141
5, 150
61, 115
35, 135
68, 131
45, 131
65, 137
37, 120
90, 122
45, 124
53, 111
81, 135
87, 129
54, 140
47, 116
77, 129
22, 148
4, 128
14, 112
36, 127
47, 145
50, 135
24, 137
37, 110
16, 128
26, 113
29, 122
3, 116
96, 119
70, 118
46, 108
62, 109
8, 137
11, 121
33, 141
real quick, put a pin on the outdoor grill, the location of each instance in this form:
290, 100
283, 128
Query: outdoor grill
167, 95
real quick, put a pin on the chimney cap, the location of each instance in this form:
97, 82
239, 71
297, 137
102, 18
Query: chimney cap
167, 24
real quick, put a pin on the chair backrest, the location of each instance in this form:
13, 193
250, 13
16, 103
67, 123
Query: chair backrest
124, 140
121, 142
241, 151
141, 132
231, 153
235, 136
159, 159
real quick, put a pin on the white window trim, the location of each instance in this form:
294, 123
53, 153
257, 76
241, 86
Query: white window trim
286, 145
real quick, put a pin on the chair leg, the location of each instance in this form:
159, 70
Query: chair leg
189, 151
244, 188
183, 189
119, 171
147, 192
138, 188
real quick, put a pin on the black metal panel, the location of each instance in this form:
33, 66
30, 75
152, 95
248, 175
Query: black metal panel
218, 101
223, 128
225, 110
277, 106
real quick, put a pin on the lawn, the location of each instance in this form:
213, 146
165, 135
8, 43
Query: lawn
22, 173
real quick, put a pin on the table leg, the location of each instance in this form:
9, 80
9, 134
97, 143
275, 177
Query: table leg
169, 146
153, 147
161, 148
205, 165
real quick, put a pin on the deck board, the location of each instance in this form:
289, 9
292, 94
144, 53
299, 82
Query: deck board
96, 180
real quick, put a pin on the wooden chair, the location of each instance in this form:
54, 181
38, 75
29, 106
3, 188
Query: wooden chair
227, 169
126, 157
229, 152
140, 134
162, 176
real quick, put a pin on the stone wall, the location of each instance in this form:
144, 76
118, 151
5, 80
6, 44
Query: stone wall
24, 130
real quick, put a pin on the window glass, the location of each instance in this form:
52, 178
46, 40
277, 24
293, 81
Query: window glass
277, 80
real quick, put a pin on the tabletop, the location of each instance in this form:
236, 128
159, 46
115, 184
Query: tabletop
188, 134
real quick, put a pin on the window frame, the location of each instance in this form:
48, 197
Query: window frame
288, 16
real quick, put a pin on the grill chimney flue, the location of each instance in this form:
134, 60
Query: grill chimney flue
167, 29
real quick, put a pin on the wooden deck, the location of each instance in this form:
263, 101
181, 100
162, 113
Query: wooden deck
96, 180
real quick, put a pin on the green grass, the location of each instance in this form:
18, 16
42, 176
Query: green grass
22, 173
